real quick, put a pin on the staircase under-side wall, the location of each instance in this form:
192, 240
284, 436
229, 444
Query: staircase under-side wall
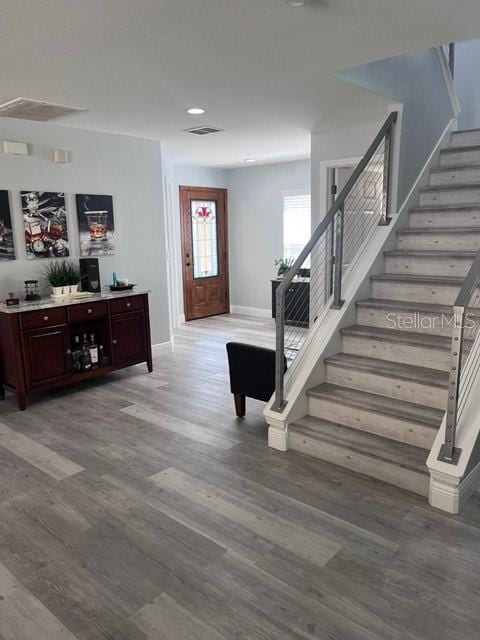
385, 394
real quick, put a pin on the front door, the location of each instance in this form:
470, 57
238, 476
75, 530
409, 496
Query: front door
204, 251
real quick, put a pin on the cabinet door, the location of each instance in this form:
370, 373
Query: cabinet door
128, 338
46, 355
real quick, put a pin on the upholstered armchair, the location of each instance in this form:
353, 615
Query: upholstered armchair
252, 373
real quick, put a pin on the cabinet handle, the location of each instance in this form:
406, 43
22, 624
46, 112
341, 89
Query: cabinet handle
69, 352
128, 305
114, 342
45, 318
89, 310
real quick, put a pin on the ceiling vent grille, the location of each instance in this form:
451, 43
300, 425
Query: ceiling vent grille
27, 109
203, 131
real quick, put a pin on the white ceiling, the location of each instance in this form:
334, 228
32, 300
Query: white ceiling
261, 67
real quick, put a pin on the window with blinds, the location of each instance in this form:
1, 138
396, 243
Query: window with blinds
297, 222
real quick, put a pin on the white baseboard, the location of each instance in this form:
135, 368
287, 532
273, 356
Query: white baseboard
251, 311
181, 318
450, 494
277, 434
162, 347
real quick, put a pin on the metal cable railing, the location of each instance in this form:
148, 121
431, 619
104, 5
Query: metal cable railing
314, 283
464, 358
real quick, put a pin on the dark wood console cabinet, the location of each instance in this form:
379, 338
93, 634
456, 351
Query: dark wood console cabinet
36, 340
297, 303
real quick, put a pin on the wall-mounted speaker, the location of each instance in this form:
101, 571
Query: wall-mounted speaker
90, 273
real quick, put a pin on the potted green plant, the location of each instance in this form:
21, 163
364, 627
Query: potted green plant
283, 266
63, 276
73, 275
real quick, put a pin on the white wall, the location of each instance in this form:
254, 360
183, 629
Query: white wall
333, 145
467, 83
416, 80
256, 227
129, 169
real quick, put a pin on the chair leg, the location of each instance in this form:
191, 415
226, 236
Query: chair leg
239, 404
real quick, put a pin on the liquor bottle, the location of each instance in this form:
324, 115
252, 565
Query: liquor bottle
93, 348
77, 354
102, 356
86, 360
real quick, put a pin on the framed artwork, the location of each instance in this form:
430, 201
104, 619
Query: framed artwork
96, 225
7, 248
45, 222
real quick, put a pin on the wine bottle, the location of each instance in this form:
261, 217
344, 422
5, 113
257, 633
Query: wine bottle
77, 355
93, 348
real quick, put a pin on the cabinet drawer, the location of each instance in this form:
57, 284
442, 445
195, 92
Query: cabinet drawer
46, 318
81, 312
122, 305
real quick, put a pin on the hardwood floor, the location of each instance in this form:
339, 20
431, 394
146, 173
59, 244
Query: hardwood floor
137, 507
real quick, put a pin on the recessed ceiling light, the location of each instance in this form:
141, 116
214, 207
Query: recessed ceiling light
248, 160
196, 111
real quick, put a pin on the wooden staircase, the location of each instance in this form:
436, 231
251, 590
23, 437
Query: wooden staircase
385, 394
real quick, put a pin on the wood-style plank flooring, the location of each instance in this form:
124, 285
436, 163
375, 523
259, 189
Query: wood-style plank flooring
139, 508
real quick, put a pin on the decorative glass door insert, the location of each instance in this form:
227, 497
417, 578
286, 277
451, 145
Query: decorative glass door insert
204, 238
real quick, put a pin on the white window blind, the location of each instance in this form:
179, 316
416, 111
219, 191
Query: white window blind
296, 222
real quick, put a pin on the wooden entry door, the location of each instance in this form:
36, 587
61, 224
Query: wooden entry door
203, 214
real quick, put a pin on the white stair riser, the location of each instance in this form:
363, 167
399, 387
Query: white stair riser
436, 324
408, 390
387, 426
450, 196
410, 321
415, 354
355, 461
440, 242
412, 292
427, 266
465, 139
452, 159
449, 218
455, 176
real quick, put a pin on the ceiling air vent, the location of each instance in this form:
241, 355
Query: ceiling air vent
27, 109
203, 131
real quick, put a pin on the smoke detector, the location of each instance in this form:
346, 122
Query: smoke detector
38, 110
203, 131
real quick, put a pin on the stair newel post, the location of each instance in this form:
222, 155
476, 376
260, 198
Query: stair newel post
339, 224
448, 452
387, 154
279, 401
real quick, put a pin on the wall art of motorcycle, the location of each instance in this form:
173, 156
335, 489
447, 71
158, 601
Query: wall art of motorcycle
7, 249
45, 222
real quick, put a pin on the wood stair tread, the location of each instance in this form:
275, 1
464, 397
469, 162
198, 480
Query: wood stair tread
460, 148
376, 447
397, 335
438, 208
416, 231
405, 305
401, 277
449, 168
451, 187
429, 253
400, 409
398, 370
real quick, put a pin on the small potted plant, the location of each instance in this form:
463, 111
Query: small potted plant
63, 276
283, 266
73, 276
